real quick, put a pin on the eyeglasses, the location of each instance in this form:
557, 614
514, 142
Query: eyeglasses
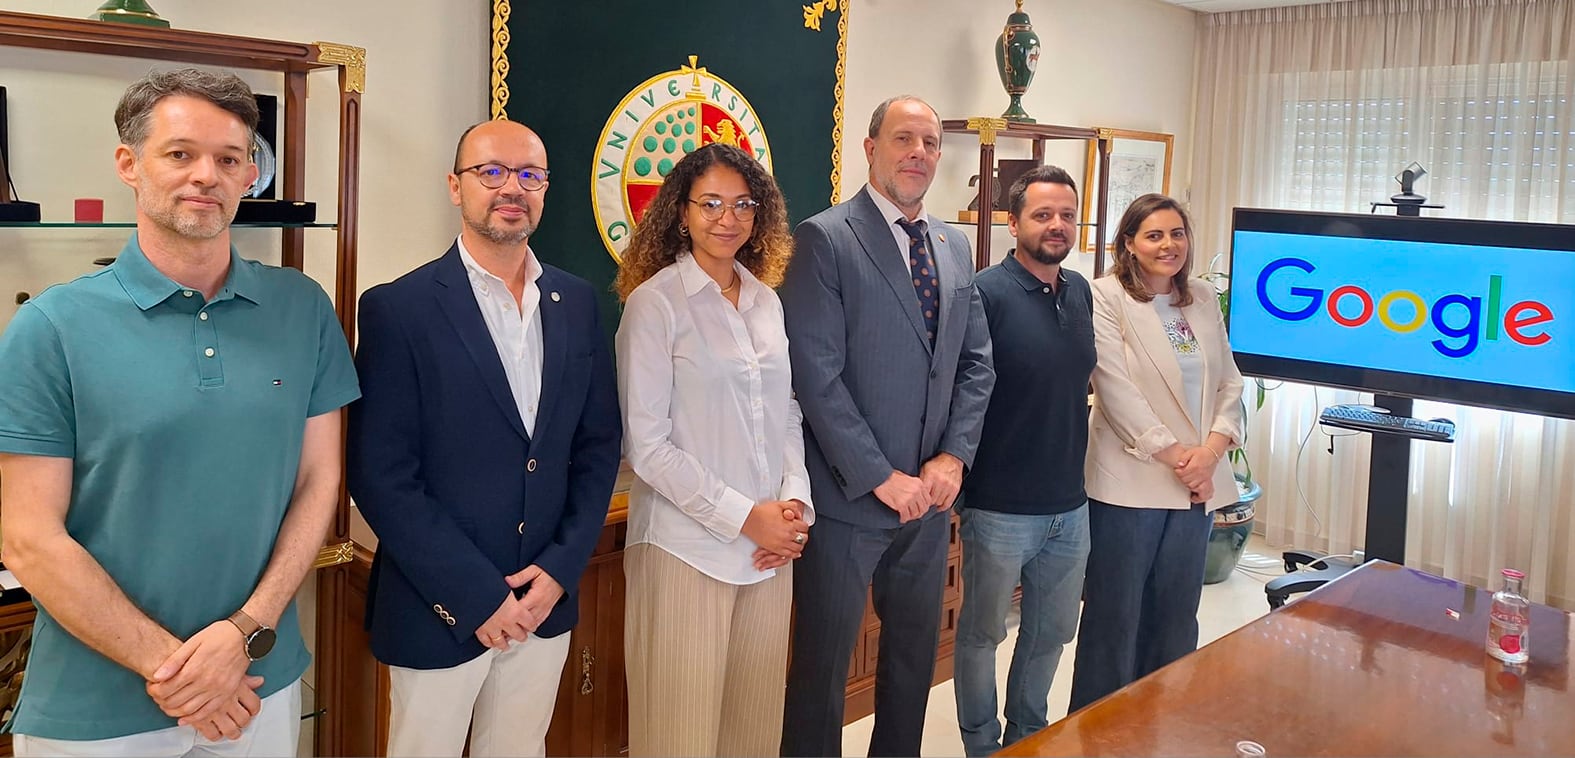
712, 209
495, 175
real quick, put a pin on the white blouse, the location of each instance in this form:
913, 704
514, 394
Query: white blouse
710, 424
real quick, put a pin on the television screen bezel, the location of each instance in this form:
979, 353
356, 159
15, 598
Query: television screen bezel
1501, 234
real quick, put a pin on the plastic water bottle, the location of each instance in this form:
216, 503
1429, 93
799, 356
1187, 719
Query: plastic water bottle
1509, 621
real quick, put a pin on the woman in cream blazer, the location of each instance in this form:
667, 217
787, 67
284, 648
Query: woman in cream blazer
1166, 410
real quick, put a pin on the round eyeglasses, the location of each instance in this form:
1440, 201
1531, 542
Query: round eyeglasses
712, 209
495, 175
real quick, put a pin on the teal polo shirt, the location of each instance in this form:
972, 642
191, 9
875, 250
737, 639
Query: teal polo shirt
184, 418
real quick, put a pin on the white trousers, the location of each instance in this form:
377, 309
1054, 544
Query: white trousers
274, 731
504, 700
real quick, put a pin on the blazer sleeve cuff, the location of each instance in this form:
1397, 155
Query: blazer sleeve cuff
1150, 442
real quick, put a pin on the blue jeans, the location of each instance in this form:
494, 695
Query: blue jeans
1140, 611
1047, 554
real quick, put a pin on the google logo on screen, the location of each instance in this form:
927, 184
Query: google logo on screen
1459, 317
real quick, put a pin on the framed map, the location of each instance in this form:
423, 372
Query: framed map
1139, 164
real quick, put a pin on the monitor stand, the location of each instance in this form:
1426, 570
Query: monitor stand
1388, 497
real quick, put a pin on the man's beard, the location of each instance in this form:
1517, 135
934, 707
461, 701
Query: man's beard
1040, 252
499, 235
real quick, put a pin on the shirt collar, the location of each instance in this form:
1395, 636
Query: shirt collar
149, 286
890, 211
484, 280
695, 279
1026, 278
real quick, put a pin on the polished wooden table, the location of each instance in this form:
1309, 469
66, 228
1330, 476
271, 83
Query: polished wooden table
1383, 661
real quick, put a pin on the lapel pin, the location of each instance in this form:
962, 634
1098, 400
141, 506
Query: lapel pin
555, 297
943, 237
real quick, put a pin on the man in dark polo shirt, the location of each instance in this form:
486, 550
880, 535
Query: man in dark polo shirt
1025, 515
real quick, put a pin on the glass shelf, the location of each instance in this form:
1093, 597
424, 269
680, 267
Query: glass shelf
133, 225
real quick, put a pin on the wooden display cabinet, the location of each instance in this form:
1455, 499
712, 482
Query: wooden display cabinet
988, 130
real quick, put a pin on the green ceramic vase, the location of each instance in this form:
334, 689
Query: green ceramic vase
129, 12
1016, 57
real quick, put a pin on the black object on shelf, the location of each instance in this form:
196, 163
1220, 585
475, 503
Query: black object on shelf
20, 210
1364, 419
276, 211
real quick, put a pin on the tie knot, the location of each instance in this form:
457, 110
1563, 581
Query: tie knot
915, 229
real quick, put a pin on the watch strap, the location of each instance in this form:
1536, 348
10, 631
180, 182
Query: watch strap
245, 623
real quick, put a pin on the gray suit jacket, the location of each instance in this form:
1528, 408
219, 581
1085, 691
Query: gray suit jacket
875, 396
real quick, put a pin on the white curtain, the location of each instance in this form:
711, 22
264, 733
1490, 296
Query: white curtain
1318, 107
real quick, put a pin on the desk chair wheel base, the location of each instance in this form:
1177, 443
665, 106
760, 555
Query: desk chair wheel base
1320, 570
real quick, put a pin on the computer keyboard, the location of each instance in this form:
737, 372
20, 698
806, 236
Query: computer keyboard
1365, 419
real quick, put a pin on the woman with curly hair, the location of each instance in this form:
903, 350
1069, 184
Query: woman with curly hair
720, 503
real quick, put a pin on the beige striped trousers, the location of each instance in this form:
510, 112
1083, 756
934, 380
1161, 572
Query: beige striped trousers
706, 660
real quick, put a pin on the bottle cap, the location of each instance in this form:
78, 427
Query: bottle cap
1513, 574
1249, 749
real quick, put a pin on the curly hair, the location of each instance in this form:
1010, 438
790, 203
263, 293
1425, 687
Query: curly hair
656, 242
1126, 268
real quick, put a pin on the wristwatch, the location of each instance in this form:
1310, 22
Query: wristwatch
259, 638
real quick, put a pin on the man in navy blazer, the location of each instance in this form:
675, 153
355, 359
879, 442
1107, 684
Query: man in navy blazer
892, 368
482, 453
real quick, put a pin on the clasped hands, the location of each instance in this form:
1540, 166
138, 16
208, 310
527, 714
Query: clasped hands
518, 617
203, 684
1195, 468
779, 529
936, 486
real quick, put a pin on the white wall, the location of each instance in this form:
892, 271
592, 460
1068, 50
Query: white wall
1118, 63
1115, 63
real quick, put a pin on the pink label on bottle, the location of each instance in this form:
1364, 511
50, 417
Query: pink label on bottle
1509, 643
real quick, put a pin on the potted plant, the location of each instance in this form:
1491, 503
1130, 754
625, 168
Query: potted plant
1233, 523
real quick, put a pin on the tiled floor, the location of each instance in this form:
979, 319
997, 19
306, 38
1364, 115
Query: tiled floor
1225, 607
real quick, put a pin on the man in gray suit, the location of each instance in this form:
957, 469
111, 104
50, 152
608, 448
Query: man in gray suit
891, 366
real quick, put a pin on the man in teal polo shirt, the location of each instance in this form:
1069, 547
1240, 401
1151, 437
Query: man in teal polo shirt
171, 458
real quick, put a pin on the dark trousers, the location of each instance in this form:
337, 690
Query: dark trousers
906, 568
1140, 598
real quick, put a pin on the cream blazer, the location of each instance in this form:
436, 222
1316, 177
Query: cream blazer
1139, 407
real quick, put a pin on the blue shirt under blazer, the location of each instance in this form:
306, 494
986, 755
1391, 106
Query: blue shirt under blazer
441, 465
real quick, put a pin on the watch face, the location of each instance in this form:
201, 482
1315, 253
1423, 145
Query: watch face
260, 643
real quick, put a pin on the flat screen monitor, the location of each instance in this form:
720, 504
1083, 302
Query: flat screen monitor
1462, 311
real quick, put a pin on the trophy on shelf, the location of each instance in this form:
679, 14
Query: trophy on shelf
129, 12
1007, 171
1016, 57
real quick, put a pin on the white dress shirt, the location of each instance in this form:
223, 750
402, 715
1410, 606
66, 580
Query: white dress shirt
710, 424
515, 330
892, 214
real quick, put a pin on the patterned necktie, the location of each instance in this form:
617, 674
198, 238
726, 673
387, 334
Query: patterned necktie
925, 283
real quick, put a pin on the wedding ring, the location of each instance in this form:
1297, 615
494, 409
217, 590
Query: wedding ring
799, 538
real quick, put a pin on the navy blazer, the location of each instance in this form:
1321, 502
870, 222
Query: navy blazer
440, 464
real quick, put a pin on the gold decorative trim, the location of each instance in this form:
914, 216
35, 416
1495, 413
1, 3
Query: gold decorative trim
352, 58
500, 58
333, 555
126, 12
814, 14
1104, 132
836, 112
987, 128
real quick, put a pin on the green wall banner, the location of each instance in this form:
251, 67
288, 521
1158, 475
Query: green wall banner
619, 90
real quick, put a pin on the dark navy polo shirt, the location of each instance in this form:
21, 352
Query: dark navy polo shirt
1035, 437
